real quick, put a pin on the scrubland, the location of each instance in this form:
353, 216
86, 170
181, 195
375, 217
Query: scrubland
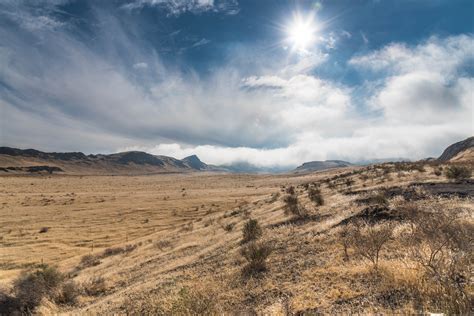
391, 238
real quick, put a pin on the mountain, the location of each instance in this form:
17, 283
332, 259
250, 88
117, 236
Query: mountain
16, 160
460, 151
321, 165
194, 162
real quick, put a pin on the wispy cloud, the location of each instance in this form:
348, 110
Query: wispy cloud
177, 7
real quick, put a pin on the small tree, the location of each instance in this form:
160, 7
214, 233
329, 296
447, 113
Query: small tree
345, 236
442, 245
256, 254
251, 231
314, 195
457, 172
292, 206
368, 240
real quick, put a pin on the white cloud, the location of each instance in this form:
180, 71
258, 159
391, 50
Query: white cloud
441, 55
177, 7
140, 66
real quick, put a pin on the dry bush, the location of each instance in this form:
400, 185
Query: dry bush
256, 254
369, 240
9, 305
293, 207
95, 286
458, 172
191, 301
345, 237
162, 244
290, 190
251, 231
442, 246
314, 195
89, 261
348, 182
112, 251
68, 294
31, 287
274, 197
229, 227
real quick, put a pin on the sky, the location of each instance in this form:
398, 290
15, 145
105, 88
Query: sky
271, 83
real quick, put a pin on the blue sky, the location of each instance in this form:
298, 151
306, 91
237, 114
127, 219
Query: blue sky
273, 83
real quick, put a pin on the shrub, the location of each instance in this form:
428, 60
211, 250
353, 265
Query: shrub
290, 190
292, 206
43, 230
314, 195
441, 244
457, 172
31, 287
256, 254
89, 261
118, 250
349, 182
345, 236
69, 293
368, 240
251, 231
375, 198
229, 227
95, 286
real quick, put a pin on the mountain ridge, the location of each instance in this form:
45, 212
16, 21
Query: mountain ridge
15, 159
454, 150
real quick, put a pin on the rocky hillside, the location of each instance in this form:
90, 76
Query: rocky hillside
13, 160
458, 151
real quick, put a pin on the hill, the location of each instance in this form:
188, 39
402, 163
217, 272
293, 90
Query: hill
14, 160
321, 165
460, 151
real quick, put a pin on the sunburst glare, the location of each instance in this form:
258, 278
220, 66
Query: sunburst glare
302, 32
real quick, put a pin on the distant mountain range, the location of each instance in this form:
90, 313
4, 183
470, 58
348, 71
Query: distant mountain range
131, 162
14, 160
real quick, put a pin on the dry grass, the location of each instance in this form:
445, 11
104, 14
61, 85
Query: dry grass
181, 259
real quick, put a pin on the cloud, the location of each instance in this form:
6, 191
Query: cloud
441, 55
140, 66
177, 7
201, 42
364, 38
62, 94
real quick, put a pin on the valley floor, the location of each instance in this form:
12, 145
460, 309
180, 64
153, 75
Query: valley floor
172, 243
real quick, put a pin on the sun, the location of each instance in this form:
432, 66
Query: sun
301, 33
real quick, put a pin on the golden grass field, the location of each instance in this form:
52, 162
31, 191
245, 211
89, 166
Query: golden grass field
184, 232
